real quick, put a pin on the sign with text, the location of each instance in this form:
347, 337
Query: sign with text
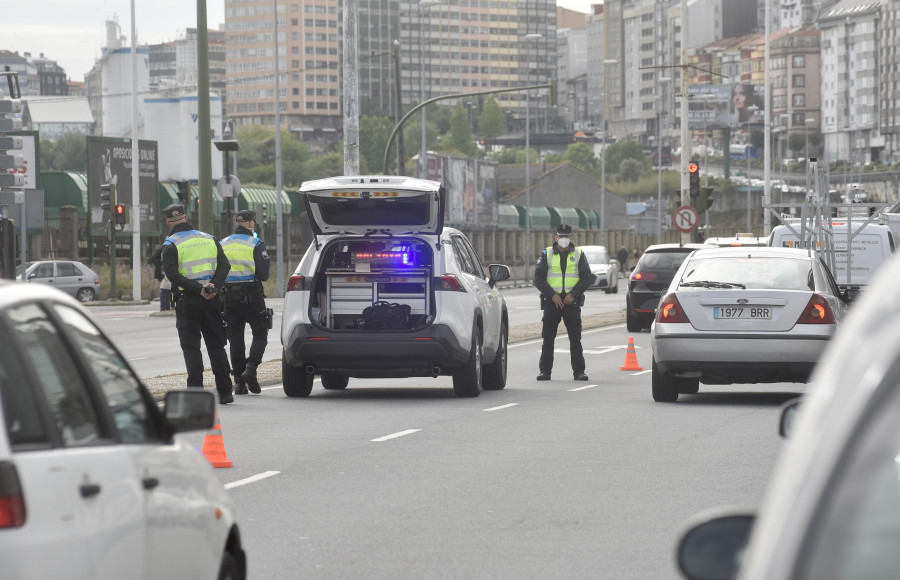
109, 161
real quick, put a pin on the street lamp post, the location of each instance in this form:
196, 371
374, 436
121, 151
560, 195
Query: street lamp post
752, 110
659, 117
528, 37
423, 5
603, 133
808, 122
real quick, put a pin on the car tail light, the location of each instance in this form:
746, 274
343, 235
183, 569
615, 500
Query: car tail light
451, 283
12, 502
644, 276
817, 311
295, 283
670, 310
97, 281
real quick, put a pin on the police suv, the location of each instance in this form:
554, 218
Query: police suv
386, 291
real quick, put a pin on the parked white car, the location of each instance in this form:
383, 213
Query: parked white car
604, 268
67, 275
93, 483
385, 290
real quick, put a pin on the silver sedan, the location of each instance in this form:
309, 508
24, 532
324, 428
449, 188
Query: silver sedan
603, 267
743, 315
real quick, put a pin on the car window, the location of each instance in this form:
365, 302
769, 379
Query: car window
662, 260
68, 399
858, 528
127, 404
473, 256
44, 270
763, 273
21, 411
463, 260
67, 269
595, 256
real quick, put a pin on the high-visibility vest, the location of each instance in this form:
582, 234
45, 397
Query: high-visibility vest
197, 254
562, 281
239, 251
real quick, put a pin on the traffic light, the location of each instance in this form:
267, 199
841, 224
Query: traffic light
694, 173
107, 195
11, 166
121, 216
184, 192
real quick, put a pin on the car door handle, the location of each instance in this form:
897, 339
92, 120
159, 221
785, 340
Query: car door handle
150, 483
89, 490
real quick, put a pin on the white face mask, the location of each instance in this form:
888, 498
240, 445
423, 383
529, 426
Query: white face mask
563, 243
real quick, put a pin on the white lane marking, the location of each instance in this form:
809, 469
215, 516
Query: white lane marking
642, 373
507, 406
139, 358
581, 388
395, 435
252, 479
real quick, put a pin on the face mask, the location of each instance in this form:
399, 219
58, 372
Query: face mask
563, 243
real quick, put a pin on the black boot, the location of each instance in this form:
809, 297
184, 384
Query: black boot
225, 397
240, 387
249, 377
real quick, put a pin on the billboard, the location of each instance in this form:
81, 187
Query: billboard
109, 161
726, 105
471, 187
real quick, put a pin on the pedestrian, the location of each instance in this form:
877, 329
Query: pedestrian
635, 256
165, 294
196, 265
562, 275
245, 300
622, 257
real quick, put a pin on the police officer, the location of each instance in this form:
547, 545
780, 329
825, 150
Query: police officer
562, 275
197, 267
245, 301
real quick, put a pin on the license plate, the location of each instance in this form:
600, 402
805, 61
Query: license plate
750, 312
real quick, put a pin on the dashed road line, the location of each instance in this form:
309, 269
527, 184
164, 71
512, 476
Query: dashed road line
581, 388
507, 406
395, 435
642, 373
252, 479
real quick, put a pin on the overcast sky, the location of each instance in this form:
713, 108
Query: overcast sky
72, 32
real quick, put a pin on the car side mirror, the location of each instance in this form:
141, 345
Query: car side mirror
714, 548
189, 410
499, 273
32, 275
788, 417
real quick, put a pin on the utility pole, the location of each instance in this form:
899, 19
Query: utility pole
685, 98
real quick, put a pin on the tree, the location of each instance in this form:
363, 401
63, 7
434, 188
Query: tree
67, 153
621, 150
374, 131
459, 139
327, 165
581, 156
492, 120
412, 136
630, 170
257, 157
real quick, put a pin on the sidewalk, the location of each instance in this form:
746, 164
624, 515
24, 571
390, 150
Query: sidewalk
269, 372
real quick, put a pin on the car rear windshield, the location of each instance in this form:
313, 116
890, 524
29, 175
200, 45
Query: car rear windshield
758, 273
664, 260
596, 256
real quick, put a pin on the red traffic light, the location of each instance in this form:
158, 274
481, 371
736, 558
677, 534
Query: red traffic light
693, 168
120, 209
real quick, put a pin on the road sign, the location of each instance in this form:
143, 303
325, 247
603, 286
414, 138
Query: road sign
685, 219
226, 189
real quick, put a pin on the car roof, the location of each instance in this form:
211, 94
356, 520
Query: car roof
670, 247
755, 251
592, 247
12, 293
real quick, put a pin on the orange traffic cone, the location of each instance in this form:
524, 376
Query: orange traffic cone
631, 362
214, 446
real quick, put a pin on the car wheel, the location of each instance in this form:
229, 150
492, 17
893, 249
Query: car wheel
664, 389
229, 569
334, 381
631, 321
687, 386
296, 381
616, 289
494, 377
85, 295
467, 380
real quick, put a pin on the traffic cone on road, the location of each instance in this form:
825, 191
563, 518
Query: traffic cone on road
214, 446
631, 362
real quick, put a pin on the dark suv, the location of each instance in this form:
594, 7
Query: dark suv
649, 279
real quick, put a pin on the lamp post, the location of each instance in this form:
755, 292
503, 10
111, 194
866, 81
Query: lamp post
423, 156
527, 260
808, 122
783, 125
603, 130
659, 117
752, 109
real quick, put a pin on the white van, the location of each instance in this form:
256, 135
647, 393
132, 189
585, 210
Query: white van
871, 246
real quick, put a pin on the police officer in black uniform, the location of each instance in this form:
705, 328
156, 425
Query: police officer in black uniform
196, 265
562, 275
245, 301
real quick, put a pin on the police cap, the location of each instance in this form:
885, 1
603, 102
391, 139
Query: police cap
174, 211
563, 230
245, 215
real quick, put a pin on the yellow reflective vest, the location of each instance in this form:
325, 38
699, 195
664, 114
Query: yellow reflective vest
238, 249
562, 281
197, 254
